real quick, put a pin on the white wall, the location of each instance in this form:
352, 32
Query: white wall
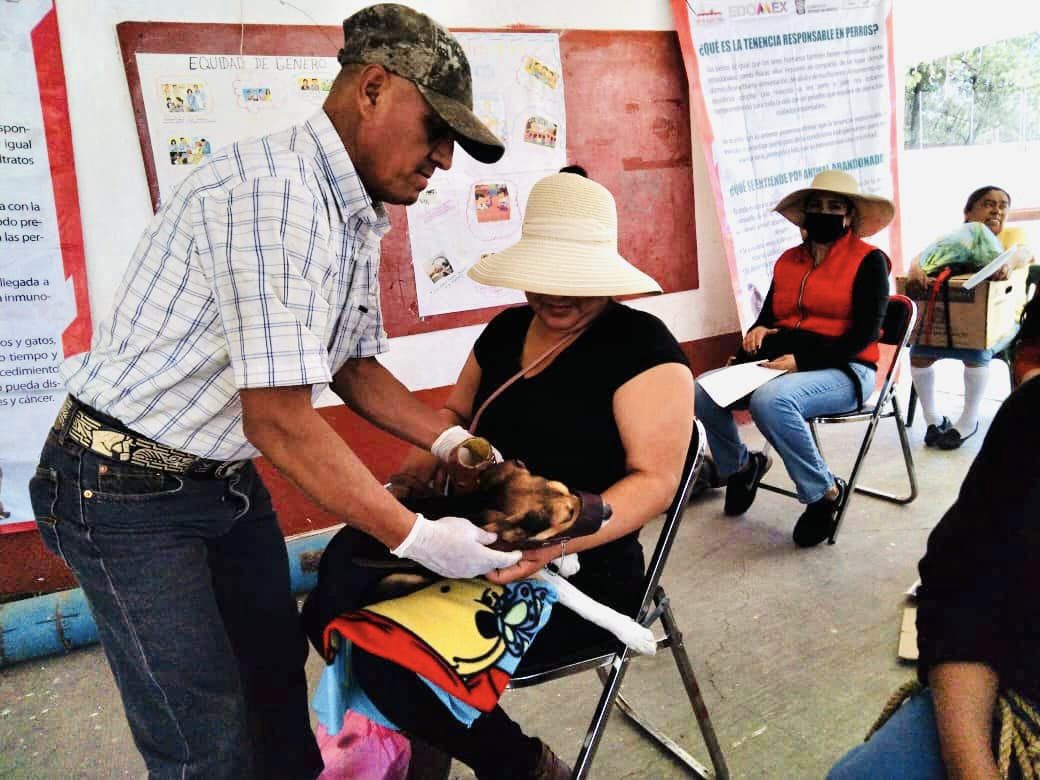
113, 191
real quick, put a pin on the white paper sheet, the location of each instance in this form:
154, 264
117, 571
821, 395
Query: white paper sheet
734, 382
1007, 256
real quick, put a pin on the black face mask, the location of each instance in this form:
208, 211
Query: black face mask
825, 228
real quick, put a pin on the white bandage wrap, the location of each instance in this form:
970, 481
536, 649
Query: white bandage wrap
449, 440
637, 637
446, 447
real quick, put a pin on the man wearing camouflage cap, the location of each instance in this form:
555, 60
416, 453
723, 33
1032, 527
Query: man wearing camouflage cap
254, 287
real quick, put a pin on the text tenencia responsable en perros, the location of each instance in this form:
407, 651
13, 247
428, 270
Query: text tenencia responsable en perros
786, 39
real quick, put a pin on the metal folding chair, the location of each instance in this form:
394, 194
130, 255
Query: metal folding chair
611, 666
900, 315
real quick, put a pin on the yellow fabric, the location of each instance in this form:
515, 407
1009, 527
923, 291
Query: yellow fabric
444, 615
1010, 236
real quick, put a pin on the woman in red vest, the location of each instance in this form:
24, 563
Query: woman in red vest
820, 323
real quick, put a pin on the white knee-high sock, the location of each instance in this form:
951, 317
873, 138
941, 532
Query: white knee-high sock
975, 380
924, 383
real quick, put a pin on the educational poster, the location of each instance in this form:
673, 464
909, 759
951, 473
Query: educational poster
44, 315
473, 209
198, 103
780, 91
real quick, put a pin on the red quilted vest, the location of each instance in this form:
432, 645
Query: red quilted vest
819, 299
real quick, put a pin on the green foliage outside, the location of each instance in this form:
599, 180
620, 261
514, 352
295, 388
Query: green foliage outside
990, 94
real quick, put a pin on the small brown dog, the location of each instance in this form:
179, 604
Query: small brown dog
523, 509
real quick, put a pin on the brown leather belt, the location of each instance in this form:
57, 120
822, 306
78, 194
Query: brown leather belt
110, 439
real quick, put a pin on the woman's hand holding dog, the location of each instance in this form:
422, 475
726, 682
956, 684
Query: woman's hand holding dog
533, 561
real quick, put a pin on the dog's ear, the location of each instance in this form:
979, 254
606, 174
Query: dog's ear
498, 474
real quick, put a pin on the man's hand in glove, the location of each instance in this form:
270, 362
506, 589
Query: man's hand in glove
453, 547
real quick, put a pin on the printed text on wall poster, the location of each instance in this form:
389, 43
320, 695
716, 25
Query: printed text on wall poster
43, 304
779, 92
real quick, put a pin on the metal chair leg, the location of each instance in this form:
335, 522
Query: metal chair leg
611, 689
693, 692
908, 461
911, 407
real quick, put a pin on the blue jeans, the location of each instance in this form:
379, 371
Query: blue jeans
780, 408
188, 582
905, 748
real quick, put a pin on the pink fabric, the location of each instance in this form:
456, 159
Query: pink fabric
363, 750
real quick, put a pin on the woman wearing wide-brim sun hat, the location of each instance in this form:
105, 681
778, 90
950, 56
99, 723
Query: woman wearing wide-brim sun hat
820, 322
598, 396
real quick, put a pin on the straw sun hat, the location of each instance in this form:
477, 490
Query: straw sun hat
567, 246
873, 213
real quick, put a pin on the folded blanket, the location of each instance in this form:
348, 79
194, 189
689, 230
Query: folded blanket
464, 638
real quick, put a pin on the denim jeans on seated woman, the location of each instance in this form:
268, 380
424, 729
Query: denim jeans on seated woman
780, 408
905, 748
188, 582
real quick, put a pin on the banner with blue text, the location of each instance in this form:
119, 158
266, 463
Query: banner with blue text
780, 91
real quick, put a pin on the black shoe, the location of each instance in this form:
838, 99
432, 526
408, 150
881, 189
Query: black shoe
819, 518
742, 486
952, 439
933, 432
707, 478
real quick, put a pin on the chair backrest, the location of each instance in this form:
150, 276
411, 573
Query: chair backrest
674, 515
900, 316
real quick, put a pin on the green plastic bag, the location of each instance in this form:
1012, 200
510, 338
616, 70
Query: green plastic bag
965, 250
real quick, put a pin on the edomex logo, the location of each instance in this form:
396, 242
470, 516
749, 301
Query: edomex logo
757, 9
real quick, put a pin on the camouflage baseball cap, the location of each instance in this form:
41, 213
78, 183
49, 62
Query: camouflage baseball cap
414, 46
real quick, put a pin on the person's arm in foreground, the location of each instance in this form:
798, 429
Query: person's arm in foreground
654, 414
369, 389
457, 410
964, 696
968, 580
285, 427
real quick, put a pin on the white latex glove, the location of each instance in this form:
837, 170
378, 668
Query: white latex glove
451, 439
453, 547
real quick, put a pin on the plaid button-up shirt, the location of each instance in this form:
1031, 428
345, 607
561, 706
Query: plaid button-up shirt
262, 270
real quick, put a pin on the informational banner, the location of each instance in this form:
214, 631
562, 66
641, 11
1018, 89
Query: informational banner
44, 314
780, 91
473, 209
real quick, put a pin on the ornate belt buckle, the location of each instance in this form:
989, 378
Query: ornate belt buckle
227, 468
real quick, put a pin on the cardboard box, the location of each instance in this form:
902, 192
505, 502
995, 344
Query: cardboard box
979, 318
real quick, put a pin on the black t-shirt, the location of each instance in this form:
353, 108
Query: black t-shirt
979, 599
560, 422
